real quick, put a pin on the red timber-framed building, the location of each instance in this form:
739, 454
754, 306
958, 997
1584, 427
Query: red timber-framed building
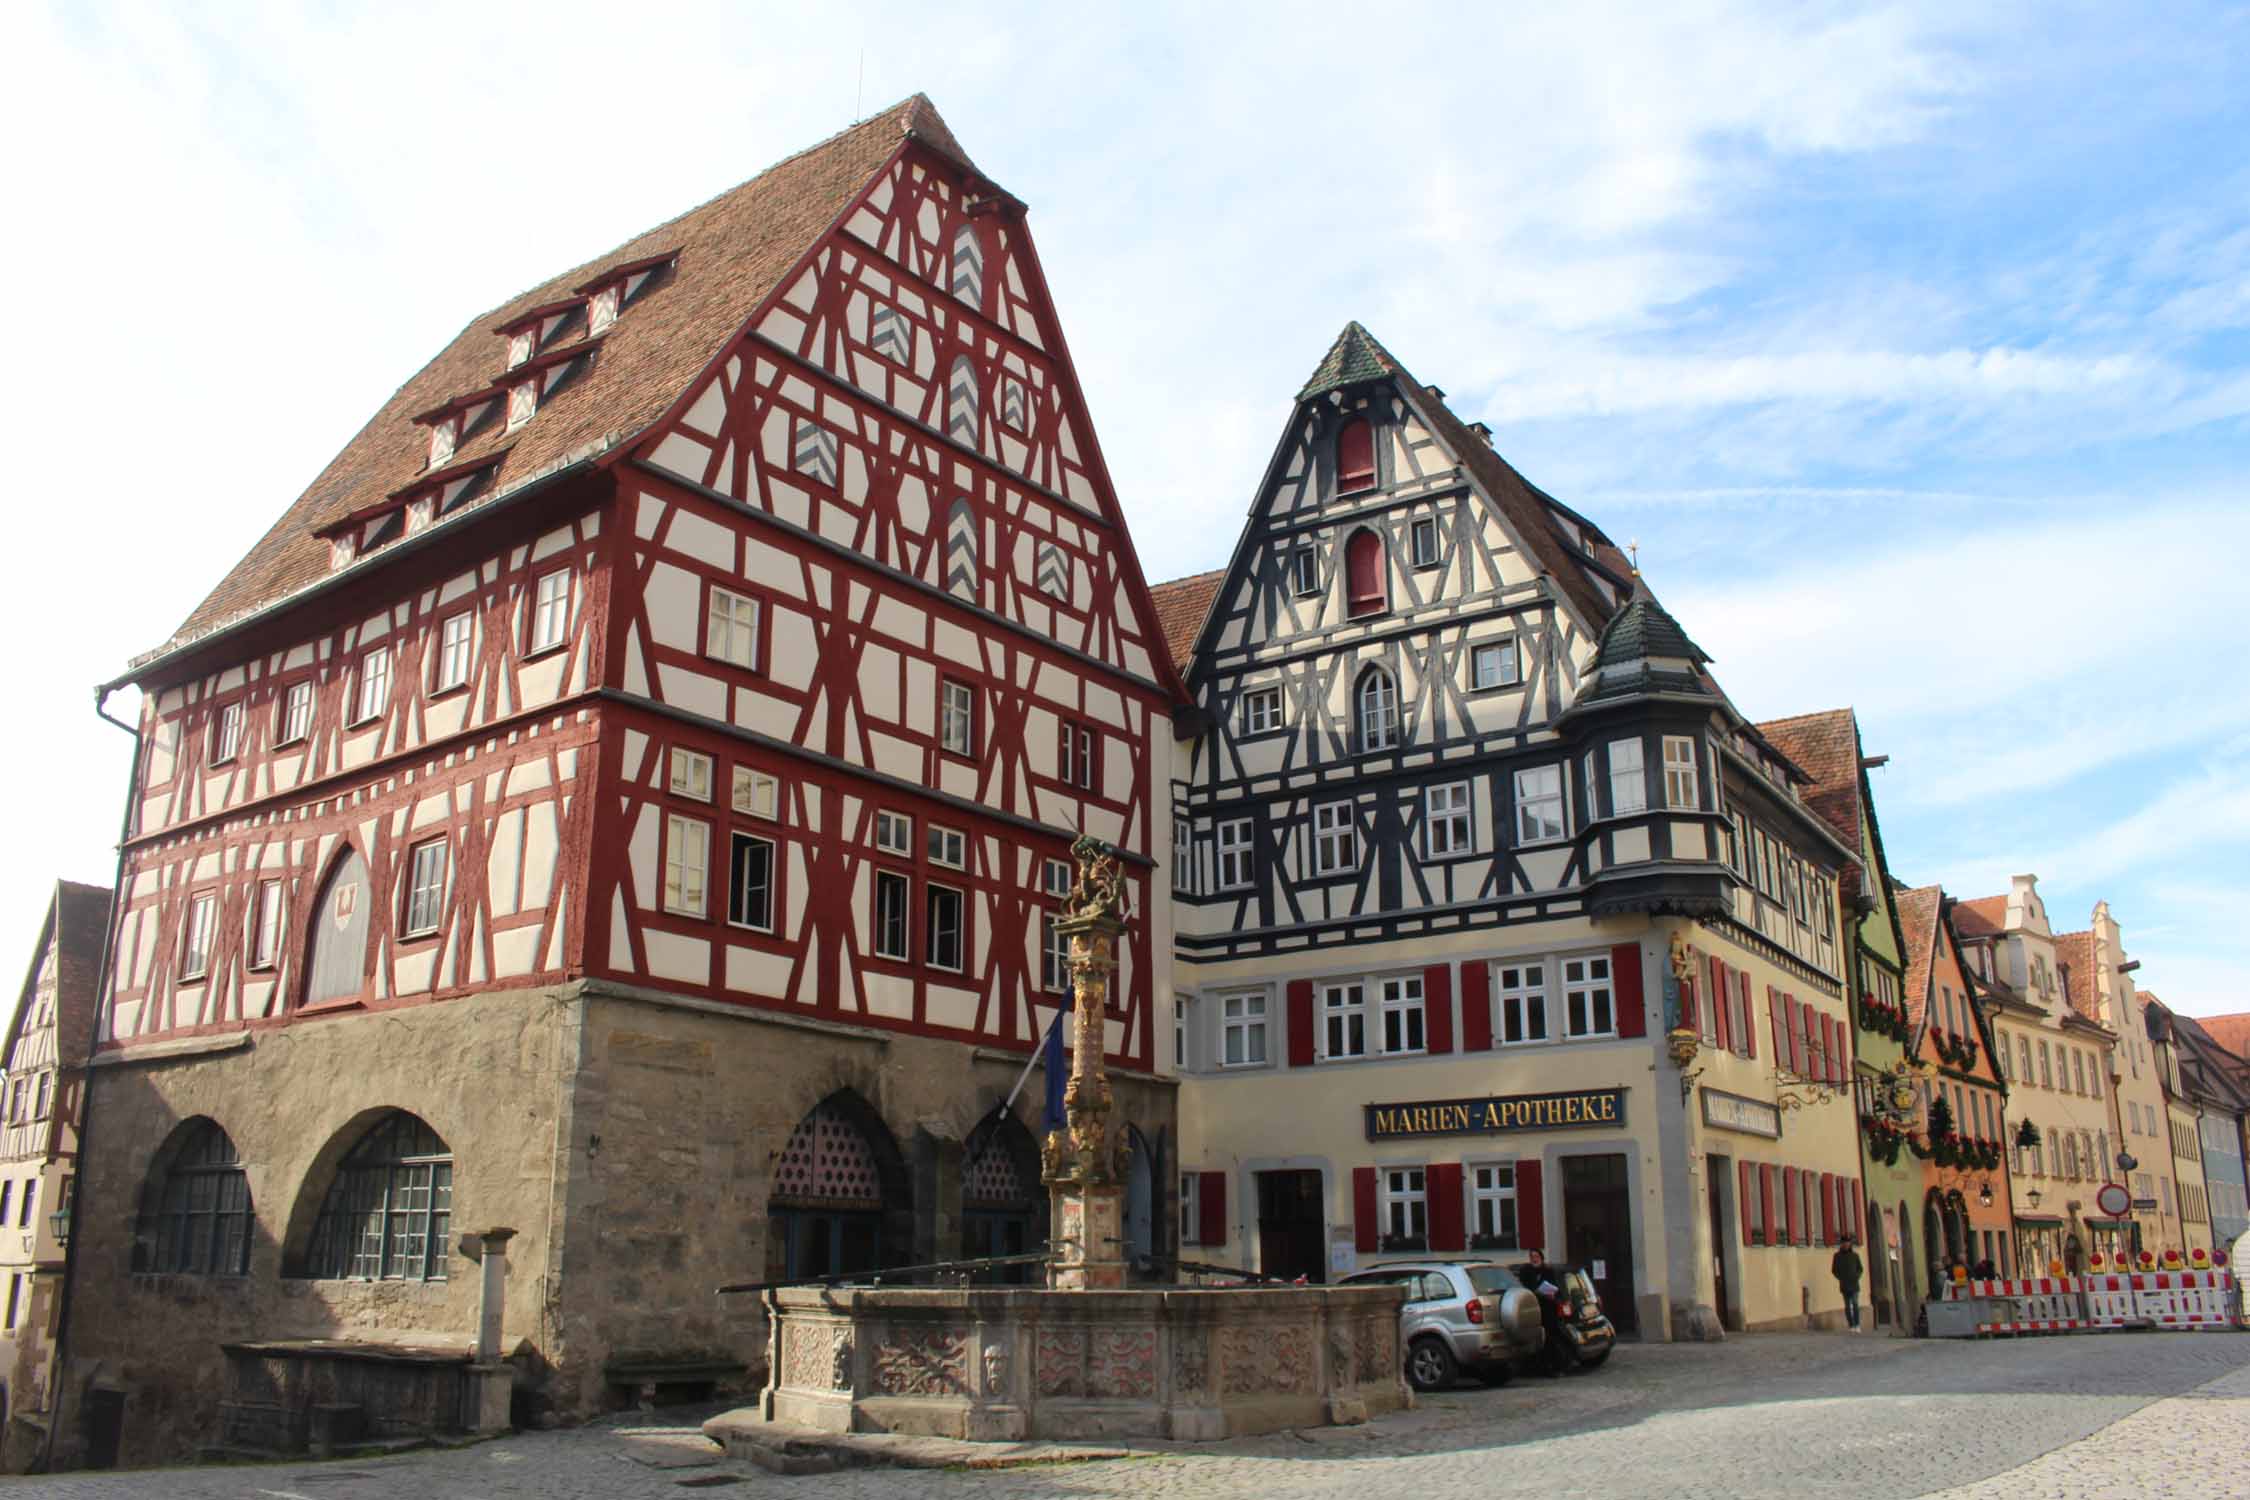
619, 802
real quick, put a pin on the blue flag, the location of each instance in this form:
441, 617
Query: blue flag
1055, 1070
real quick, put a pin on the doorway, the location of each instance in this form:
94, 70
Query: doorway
105, 1427
1720, 1172
1598, 1232
1292, 1229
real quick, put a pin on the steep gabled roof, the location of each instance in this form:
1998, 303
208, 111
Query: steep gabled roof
77, 923
1917, 921
1354, 357
730, 255
1987, 916
1826, 747
2231, 1032
1180, 608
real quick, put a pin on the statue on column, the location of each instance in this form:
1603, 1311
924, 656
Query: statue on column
1084, 1163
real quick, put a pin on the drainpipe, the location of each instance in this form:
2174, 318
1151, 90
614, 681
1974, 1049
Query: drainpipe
58, 1368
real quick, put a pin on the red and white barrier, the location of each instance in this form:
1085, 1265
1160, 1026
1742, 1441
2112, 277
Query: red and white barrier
2179, 1300
2185, 1299
2111, 1302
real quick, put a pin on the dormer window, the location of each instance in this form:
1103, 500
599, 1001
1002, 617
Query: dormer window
442, 438
520, 346
523, 400
1363, 574
602, 310
1355, 456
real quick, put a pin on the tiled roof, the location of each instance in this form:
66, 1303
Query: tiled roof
1987, 916
1354, 357
2230, 1031
1917, 920
1180, 608
2074, 952
1825, 746
731, 253
1642, 629
77, 923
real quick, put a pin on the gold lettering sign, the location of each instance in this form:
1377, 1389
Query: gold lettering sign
1495, 1115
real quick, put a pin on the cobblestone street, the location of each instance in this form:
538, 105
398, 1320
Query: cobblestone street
1797, 1415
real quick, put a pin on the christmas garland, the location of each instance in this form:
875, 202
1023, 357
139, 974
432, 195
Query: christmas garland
1878, 1019
1959, 1052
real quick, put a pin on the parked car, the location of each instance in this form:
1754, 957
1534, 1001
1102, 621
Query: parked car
1577, 1328
1460, 1315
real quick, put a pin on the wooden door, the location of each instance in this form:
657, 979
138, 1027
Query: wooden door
1598, 1232
1720, 1174
1292, 1232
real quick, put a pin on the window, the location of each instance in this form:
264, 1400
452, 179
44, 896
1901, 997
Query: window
1079, 756
687, 865
1234, 854
265, 925
1304, 570
523, 400
943, 937
1492, 1208
691, 774
195, 943
1628, 787
2094, 1077
1054, 877
1402, 1014
296, 713
425, 888
2023, 1060
453, 652
389, 1214
601, 312
2078, 1069
1406, 1210
1588, 1007
1355, 456
1494, 665
1261, 710
894, 834
1523, 1003
730, 629
1539, 804
1242, 1031
812, 450
1424, 540
1181, 1005
1191, 1208
521, 345
750, 883
374, 684
1054, 955
550, 611
1448, 831
757, 794
1363, 574
1335, 840
1343, 1011
1680, 788
948, 847
196, 1221
890, 334
2046, 1066
226, 733
890, 914
1376, 702
957, 718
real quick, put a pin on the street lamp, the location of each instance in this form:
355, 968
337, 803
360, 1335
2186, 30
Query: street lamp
1984, 1192
59, 1222
2032, 1197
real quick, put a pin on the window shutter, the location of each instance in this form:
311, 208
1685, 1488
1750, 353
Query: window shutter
1476, 1007
1766, 1221
1859, 1210
1531, 1206
1363, 571
1437, 1008
1741, 978
1722, 1021
1839, 1051
1742, 1199
1211, 1207
1789, 1202
1355, 455
1796, 1034
1093, 776
1828, 1208
1448, 1213
1780, 1020
1625, 975
1363, 1208
1300, 1023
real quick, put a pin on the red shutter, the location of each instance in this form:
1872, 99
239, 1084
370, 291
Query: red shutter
1715, 1026
1839, 1050
1741, 978
1766, 1220
1363, 572
1775, 1014
1300, 1023
1355, 456
1796, 1035
1816, 1037
1363, 1208
1211, 1207
1476, 1007
1828, 1208
1742, 1200
1447, 1212
1859, 1211
1625, 979
1437, 1009
1531, 1207
1789, 1204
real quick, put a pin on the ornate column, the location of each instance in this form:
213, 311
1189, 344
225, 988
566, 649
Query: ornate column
1083, 1164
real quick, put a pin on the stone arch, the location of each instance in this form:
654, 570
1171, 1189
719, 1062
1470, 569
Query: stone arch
339, 933
196, 1214
1003, 1204
842, 1200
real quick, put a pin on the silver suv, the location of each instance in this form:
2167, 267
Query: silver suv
1460, 1315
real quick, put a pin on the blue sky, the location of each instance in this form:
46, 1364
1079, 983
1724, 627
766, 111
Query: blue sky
1914, 349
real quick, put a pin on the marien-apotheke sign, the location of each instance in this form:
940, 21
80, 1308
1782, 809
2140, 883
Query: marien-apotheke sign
1496, 1115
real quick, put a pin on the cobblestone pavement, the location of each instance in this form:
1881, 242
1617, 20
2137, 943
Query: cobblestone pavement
1796, 1415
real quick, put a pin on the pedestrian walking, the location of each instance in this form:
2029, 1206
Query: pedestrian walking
1845, 1266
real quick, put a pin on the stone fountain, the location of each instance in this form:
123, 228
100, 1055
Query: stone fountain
1088, 1355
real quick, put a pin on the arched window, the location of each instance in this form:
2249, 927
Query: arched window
1363, 574
195, 1208
1003, 1210
841, 1200
337, 968
1376, 709
961, 401
968, 266
1355, 456
388, 1215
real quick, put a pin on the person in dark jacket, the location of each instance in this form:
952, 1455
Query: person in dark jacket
1845, 1266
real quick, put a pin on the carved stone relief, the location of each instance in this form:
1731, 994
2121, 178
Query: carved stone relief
922, 1362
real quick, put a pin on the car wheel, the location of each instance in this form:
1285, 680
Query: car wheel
1594, 1361
1429, 1365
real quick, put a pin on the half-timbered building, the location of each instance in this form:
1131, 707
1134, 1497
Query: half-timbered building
1469, 847
621, 802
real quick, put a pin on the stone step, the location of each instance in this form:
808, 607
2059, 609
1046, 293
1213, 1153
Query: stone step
783, 1448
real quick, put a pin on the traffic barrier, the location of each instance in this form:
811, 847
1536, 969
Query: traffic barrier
2185, 1299
2111, 1302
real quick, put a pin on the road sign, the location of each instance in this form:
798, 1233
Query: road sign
2113, 1200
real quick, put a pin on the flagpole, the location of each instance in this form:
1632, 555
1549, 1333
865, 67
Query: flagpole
1031, 1062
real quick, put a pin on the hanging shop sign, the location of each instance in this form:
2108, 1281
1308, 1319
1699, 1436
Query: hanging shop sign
1496, 1114
1733, 1112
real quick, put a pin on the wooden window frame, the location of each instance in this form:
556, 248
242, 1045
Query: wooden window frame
413, 921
